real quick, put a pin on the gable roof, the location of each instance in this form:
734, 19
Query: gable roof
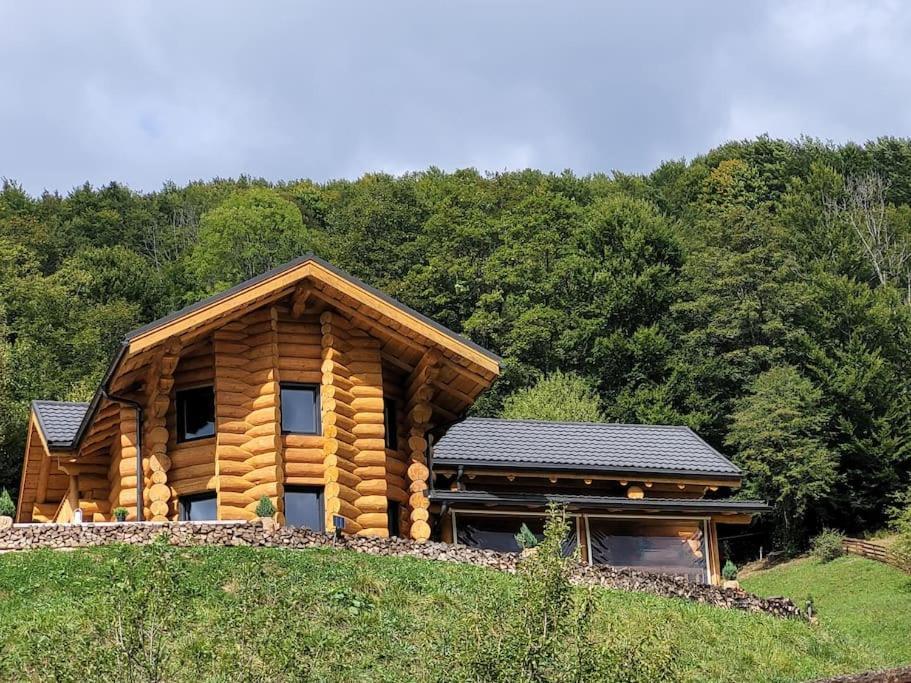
291, 269
374, 308
59, 421
583, 446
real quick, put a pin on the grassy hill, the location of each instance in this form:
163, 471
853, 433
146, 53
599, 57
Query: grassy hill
225, 614
866, 602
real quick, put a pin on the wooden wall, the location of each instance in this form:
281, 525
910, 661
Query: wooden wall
193, 462
299, 360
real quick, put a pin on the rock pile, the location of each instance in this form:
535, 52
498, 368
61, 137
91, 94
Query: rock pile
255, 534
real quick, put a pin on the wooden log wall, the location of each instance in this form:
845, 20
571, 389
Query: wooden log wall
299, 348
338, 421
156, 461
366, 367
248, 439
126, 491
192, 462
419, 411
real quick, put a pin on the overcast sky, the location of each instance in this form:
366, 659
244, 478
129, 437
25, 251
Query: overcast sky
144, 92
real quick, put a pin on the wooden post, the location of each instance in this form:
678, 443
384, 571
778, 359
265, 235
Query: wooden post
419, 412
338, 421
156, 462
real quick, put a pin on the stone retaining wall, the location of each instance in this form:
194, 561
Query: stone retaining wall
58, 536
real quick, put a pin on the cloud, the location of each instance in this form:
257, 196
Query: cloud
144, 92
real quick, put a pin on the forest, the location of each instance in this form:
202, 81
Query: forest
760, 293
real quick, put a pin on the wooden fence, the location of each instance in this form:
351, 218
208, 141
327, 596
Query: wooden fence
871, 550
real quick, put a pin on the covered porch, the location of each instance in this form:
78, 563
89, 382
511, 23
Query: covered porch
668, 536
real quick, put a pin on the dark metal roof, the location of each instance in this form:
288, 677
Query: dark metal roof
59, 421
540, 500
328, 266
580, 446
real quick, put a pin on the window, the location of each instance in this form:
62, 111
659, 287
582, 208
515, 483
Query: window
668, 546
498, 532
304, 507
300, 409
390, 418
195, 413
393, 513
198, 507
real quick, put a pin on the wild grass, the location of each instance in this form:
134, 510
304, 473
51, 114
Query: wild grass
866, 602
238, 614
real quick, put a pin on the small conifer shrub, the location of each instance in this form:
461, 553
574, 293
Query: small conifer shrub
526, 538
265, 508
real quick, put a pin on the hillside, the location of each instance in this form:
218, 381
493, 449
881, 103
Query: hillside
739, 293
253, 614
867, 602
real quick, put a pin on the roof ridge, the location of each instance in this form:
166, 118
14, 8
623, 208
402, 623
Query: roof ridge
47, 401
581, 422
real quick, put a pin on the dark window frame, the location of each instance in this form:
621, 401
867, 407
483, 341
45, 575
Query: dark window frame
180, 402
191, 498
320, 492
390, 423
317, 413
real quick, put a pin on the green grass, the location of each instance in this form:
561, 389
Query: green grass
270, 614
867, 602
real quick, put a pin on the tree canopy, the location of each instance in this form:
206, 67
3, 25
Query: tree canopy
760, 293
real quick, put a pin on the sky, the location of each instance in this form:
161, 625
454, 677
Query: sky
144, 92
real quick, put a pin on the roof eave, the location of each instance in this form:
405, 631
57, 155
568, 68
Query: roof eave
694, 506
506, 465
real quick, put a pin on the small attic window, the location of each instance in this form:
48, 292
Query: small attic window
300, 409
195, 413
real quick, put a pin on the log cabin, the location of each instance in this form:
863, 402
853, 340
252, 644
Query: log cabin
347, 409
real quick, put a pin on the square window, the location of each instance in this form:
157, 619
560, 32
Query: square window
199, 507
300, 409
195, 413
390, 418
304, 508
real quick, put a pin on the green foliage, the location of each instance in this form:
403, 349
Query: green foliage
660, 298
548, 632
526, 538
901, 525
729, 571
7, 506
558, 396
827, 545
120, 514
248, 234
265, 508
779, 431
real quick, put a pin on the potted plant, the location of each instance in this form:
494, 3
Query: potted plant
120, 514
729, 574
527, 540
265, 510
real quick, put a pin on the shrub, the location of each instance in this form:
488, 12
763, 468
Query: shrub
525, 538
827, 546
7, 506
547, 632
729, 571
265, 508
901, 524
